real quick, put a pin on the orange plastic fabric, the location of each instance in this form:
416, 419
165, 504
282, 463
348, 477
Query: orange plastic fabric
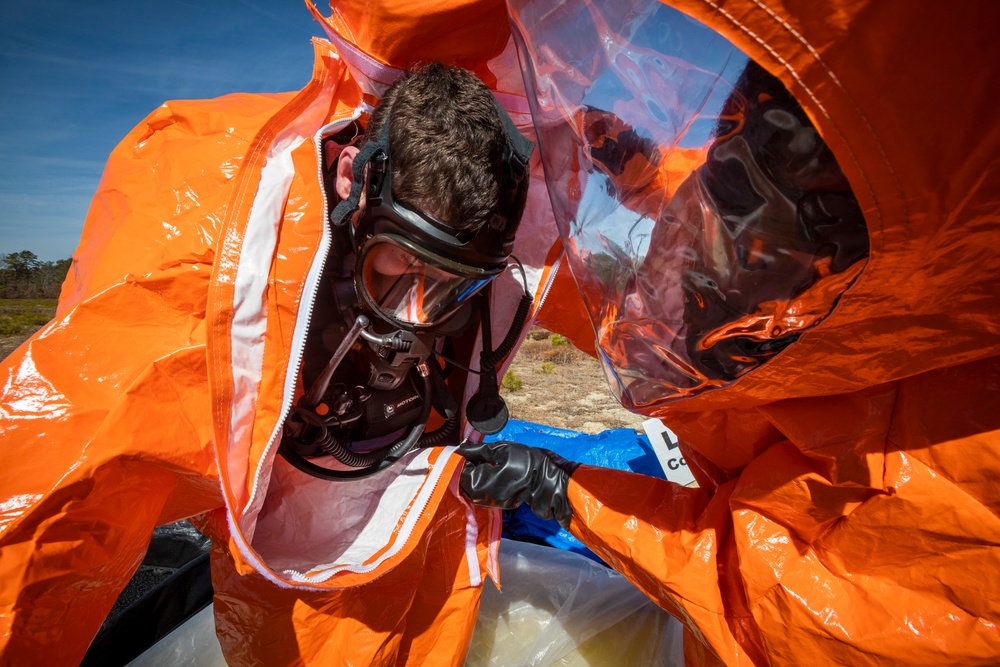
848, 512
467, 33
106, 415
156, 393
420, 612
848, 509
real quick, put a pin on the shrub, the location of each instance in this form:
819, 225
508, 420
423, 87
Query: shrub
558, 340
511, 381
22, 316
559, 355
538, 333
548, 368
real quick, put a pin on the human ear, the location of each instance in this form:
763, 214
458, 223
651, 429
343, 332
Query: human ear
345, 175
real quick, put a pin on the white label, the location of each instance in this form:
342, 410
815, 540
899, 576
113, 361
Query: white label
668, 453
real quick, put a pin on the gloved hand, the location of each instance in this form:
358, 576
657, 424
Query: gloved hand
505, 474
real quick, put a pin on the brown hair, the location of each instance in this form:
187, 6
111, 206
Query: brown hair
446, 140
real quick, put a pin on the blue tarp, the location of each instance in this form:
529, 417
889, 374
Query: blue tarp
621, 449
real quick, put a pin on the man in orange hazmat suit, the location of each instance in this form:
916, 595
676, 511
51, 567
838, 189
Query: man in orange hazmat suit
812, 308
846, 512
187, 344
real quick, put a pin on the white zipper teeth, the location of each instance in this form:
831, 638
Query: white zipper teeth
548, 283
296, 359
312, 286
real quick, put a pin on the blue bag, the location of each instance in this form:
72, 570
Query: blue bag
620, 449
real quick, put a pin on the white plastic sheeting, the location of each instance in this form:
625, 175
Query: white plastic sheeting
556, 608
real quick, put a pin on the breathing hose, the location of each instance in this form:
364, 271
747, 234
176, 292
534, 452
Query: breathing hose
366, 463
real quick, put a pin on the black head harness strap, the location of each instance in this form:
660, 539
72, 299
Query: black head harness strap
489, 247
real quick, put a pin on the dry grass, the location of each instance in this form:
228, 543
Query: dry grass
19, 318
563, 387
542, 347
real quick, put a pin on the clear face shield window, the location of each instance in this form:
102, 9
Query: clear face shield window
706, 222
411, 286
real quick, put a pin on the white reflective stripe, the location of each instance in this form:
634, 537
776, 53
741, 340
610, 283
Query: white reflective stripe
471, 532
249, 322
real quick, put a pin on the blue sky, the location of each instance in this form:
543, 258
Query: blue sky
76, 76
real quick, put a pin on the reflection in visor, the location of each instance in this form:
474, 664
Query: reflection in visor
407, 289
706, 222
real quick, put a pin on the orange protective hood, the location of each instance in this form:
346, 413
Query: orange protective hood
847, 507
920, 153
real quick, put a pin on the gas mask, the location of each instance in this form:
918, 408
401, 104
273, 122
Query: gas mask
406, 287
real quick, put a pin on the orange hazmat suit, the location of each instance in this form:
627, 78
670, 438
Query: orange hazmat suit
158, 391
847, 509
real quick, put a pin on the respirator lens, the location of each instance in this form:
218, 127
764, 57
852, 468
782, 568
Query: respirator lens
409, 285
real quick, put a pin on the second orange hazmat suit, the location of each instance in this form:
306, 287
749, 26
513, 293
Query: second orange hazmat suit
848, 510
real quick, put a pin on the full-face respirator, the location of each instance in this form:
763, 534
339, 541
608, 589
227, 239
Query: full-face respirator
408, 291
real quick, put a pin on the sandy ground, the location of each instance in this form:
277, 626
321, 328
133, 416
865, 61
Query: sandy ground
563, 387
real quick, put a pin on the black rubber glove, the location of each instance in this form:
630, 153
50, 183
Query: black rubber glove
505, 474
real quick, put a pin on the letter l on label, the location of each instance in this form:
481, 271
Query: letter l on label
668, 453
